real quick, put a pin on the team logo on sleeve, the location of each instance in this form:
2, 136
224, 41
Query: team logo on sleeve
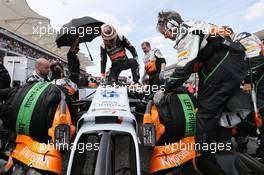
182, 55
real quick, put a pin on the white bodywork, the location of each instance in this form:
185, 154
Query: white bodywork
108, 101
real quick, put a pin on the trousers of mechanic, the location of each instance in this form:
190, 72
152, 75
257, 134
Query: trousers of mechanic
115, 46
221, 67
154, 65
255, 53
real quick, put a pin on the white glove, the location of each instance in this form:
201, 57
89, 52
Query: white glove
161, 75
158, 96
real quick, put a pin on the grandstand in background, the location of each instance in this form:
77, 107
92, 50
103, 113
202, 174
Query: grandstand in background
17, 38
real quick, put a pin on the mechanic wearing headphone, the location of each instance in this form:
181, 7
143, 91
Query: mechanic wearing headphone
206, 49
255, 53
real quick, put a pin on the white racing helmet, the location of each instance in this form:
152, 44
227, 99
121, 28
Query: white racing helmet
108, 32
